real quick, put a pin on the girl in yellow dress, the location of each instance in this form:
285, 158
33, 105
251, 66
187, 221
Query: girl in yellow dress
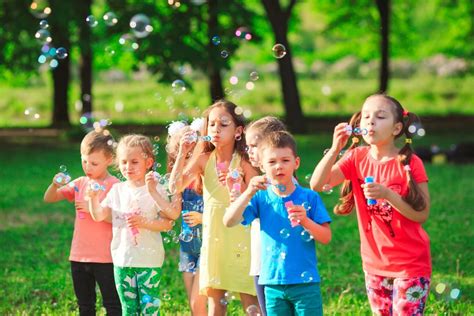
221, 162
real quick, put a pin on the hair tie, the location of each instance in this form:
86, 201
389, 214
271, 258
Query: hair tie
407, 140
355, 140
405, 113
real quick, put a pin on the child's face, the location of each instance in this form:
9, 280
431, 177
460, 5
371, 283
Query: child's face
252, 140
221, 127
95, 164
133, 163
378, 118
279, 164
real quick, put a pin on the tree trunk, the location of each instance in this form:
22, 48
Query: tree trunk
384, 11
61, 76
291, 99
214, 69
85, 63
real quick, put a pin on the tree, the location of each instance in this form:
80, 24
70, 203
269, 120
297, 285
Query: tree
383, 7
279, 18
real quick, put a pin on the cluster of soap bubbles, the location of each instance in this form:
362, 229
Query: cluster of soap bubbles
63, 177
90, 121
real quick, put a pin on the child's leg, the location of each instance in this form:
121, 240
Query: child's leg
409, 295
306, 298
198, 302
276, 301
380, 293
148, 282
214, 304
185, 260
260, 295
104, 275
126, 284
248, 300
84, 287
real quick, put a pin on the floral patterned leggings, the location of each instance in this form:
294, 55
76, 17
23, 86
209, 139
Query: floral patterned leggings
397, 296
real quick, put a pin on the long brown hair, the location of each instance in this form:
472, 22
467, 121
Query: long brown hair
414, 197
238, 120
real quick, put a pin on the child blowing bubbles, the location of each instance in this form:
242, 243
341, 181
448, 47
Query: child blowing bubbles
395, 249
224, 253
289, 273
90, 257
190, 238
138, 209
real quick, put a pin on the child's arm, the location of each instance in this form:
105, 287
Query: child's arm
320, 232
379, 191
179, 180
326, 172
156, 225
98, 213
169, 209
233, 214
52, 194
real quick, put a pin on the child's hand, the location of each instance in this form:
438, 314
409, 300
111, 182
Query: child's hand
375, 191
222, 171
90, 194
297, 213
187, 142
135, 220
192, 218
340, 137
258, 183
82, 206
60, 179
234, 177
151, 181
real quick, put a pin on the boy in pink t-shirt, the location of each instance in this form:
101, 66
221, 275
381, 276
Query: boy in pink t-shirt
389, 188
90, 257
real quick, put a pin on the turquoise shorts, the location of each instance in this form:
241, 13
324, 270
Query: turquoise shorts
293, 299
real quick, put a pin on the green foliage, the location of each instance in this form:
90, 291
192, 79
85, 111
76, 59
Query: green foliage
35, 237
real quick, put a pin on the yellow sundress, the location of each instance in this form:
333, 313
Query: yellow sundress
225, 252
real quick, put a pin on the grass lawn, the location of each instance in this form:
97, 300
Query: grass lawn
35, 237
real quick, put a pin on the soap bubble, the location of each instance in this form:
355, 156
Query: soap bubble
224, 54
110, 18
40, 9
306, 277
178, 86
43, 36
43, 24
279, 51
305, 236
61, 52
128, 42
284, 233
254, 76
140, 25
327, 189
216, 40
91, 21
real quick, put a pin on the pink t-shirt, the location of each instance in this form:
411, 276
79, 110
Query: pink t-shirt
391, 244
91, 240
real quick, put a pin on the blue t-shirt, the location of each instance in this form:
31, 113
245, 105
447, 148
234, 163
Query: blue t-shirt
288, 253
192, 202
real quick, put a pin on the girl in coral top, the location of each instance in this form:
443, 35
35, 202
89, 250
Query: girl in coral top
391, 209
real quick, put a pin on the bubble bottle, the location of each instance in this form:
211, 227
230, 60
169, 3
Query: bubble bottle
289, 206
370, 179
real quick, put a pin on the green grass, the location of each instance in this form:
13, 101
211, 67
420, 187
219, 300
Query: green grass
147, 102
35, 237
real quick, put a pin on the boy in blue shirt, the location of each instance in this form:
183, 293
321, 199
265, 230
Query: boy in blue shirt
291, 218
